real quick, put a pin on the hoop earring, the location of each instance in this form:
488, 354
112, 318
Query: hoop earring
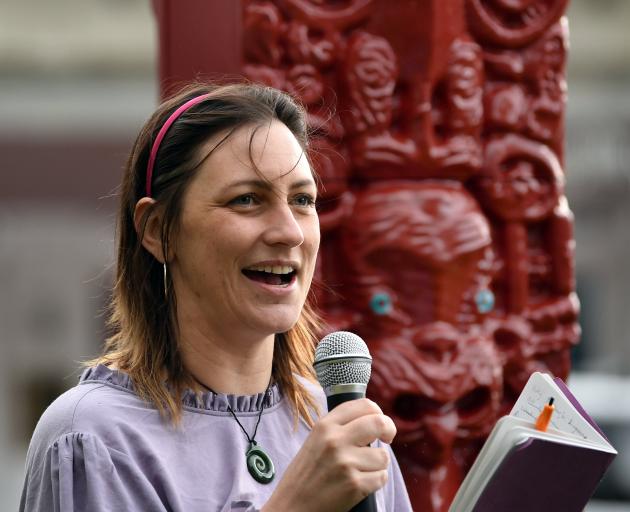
165, 281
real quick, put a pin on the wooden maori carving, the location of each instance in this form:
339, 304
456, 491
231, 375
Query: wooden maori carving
447, 240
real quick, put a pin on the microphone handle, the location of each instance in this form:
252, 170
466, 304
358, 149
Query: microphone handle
339, 398
367, 504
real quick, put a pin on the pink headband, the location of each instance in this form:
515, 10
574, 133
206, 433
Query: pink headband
158, 140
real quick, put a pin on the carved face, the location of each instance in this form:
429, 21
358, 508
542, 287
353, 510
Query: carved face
441, 387
370, 73
263, 27
546, 58
418, 251
544, 66
423, 245
464, 85
306, 83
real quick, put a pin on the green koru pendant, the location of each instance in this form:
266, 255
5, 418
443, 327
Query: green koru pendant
259, 464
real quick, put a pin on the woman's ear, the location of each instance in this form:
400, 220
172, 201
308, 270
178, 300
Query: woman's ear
148, 218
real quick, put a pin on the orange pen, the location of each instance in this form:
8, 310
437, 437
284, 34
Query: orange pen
545, 416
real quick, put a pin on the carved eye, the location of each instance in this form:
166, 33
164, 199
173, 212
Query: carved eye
473, 402
410, 407
484, 300
381, 303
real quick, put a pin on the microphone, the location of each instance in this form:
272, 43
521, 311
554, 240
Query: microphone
343, 366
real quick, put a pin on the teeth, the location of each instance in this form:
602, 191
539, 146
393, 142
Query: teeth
275, 269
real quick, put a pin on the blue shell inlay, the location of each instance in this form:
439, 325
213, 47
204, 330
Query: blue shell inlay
381, 303
484, 300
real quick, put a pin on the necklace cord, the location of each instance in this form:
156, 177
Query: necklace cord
259, 464
252, 439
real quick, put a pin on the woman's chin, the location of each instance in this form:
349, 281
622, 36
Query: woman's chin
275, 320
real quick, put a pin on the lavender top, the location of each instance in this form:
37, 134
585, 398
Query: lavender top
99, 447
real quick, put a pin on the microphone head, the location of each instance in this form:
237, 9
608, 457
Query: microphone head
342, 358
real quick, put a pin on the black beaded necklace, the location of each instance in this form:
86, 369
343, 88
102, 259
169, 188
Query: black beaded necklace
259, 464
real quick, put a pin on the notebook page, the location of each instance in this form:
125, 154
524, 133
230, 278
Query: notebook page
536, 394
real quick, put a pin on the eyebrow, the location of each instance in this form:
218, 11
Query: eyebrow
268, 186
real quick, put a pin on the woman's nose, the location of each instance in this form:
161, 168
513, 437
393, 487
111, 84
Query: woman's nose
283, 227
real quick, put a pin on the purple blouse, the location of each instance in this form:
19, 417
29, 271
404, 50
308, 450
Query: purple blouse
99, 447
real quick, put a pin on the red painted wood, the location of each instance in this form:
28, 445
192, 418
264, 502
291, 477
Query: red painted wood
198, 40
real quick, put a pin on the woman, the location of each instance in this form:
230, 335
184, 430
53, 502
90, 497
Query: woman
204, 398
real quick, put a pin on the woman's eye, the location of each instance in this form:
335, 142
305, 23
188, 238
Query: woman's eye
244, 200
304, 200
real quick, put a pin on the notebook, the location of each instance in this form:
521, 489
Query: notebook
521, 469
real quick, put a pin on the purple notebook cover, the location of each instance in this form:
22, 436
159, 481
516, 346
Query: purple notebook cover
541, 475
578, 407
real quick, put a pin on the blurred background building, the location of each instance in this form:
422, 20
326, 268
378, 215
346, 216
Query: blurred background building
78, 79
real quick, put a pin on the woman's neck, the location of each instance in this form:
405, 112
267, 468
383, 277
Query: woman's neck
236, 366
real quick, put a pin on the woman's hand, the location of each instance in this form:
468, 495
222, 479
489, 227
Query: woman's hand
335, 468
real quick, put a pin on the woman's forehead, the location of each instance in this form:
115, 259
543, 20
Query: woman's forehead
268, 151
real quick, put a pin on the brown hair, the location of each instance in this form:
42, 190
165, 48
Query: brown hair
142, 315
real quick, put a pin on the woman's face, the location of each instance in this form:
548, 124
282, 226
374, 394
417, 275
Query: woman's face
245, 251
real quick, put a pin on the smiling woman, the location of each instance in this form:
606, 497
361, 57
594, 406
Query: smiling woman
241, 232
205, 397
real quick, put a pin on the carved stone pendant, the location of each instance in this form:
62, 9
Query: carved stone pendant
259, 464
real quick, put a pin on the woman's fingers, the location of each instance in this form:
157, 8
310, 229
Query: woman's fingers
359, 423
365, 429
335, 467
348, 411
373, 481
367, 459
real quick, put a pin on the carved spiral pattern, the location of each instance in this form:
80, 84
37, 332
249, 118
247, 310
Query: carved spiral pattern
522, 179
513, 23
259, 465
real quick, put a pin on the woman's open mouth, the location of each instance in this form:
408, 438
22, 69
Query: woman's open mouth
280, 275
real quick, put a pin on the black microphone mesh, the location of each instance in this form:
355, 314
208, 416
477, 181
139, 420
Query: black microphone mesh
354, 370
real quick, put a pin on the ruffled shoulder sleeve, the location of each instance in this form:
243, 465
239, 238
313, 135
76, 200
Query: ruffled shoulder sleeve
79, 472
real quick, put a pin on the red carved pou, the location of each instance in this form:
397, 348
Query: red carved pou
447, 240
